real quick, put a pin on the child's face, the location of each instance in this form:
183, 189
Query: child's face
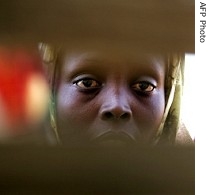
110, 100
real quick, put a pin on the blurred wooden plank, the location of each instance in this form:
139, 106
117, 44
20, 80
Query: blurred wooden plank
147, 25
64, 170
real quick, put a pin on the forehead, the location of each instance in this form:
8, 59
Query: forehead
105, 62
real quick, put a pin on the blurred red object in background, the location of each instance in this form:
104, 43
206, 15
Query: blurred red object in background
23, 90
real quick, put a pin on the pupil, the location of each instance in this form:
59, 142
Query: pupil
143, 86
87, 83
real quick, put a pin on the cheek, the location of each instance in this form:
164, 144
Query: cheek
158, 109
73, 109
150, 113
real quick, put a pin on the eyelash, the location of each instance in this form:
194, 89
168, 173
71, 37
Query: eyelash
80, 82
142, 87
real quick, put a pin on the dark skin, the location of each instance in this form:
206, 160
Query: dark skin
110, 100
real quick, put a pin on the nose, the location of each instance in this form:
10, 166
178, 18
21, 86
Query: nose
116, 107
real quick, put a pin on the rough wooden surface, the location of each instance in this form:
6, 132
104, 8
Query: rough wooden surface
139, 25
64, 170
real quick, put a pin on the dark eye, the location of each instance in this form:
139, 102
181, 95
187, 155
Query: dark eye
88, 83
143, 86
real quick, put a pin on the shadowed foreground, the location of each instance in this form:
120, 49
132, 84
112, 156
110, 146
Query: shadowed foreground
62, 170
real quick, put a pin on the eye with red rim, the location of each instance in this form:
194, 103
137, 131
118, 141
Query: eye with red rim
87, 83
143, 86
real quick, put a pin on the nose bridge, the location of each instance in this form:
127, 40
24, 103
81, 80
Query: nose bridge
116, 102
118, 96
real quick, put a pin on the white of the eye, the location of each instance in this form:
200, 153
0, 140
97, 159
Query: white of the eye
148, 89
81, 84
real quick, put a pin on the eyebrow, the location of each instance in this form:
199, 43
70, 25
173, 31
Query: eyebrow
94, 66
84, 66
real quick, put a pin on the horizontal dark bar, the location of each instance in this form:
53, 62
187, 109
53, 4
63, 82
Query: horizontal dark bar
144, 25
134, 170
